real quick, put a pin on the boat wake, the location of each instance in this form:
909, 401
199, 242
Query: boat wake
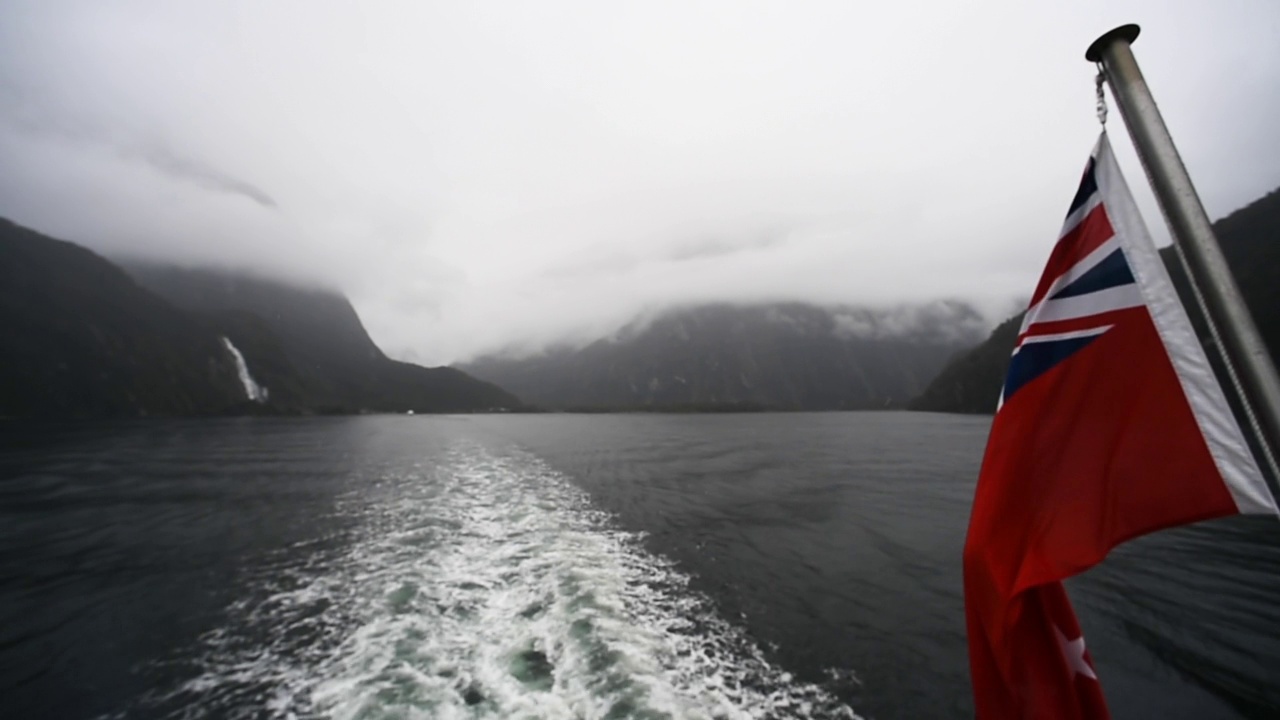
484, 585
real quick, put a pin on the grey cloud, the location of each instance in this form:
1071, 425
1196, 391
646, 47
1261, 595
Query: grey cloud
480, 176
603, 260
187, 169
604, 263
23, 111
708, 248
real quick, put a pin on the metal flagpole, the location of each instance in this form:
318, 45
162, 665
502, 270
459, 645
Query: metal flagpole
1239, 342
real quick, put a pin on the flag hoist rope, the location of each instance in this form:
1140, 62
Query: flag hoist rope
1244, 356
1099, 82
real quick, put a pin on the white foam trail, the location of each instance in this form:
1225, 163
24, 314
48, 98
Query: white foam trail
252, 390
486, 586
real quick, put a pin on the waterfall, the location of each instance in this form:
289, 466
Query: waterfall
252, 390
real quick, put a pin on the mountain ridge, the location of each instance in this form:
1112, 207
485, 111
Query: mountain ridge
764, 356
88, 338
84, 339
321, 349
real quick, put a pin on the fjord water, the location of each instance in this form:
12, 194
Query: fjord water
649, 566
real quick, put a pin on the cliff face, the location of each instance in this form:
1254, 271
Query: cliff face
965, 384
779, 356
1250, 240
83, 337
309, 346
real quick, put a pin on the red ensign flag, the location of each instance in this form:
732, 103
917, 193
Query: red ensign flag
1110, 425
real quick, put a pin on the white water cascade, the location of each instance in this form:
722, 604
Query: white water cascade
252, 390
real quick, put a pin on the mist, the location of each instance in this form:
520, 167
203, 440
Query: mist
480, 176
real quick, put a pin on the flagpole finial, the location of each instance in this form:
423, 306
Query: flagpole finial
1128, 33
1244, 355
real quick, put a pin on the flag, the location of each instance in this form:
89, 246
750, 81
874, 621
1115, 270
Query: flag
1110, 425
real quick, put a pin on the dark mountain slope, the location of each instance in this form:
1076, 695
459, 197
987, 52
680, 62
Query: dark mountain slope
311, 345
964, 385
784, 356
81, 338
1250, 240
315, 325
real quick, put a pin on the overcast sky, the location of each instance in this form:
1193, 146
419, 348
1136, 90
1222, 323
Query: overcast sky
478, 174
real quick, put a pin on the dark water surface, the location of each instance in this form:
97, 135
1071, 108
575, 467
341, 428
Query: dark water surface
797, 565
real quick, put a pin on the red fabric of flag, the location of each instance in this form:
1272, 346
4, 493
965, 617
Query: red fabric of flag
1110, 426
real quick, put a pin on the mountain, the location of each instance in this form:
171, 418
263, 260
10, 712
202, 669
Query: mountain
83, 337
1250, 240
308, 346
787, 356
